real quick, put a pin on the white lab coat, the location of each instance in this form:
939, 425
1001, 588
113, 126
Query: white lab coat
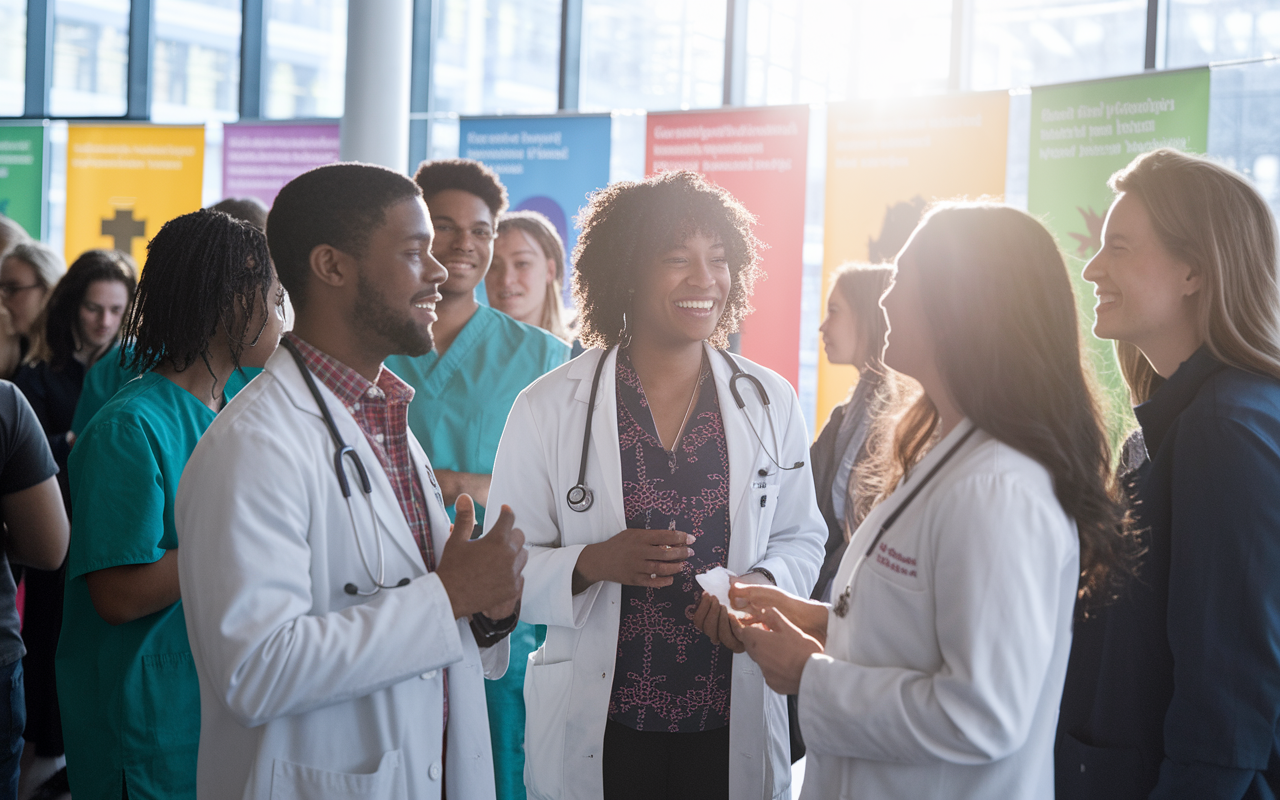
774, 523
943, 681
306, 691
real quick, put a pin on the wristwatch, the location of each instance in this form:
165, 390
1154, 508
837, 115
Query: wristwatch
489, 632
765, 573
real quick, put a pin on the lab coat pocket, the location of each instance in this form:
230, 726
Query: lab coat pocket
169, 699
546, 701
290, 781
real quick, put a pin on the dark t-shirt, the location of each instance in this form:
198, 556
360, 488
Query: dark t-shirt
25, 460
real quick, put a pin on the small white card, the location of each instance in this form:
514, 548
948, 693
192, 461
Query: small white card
716, 582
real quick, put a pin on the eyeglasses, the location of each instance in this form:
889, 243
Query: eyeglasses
10, 289
479, 234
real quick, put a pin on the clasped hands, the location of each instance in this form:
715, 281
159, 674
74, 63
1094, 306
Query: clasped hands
780, 631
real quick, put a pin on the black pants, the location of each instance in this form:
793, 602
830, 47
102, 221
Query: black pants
654, 765
41, 627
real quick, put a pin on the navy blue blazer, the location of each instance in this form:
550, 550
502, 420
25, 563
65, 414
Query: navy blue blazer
1173, 689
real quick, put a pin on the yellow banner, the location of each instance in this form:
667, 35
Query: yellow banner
125, 181
886, 161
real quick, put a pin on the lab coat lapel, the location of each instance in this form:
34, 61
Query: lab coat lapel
604, 464
386, 508
436, 514
741, 442
385, 505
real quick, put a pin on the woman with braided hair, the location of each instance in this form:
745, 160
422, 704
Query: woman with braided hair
207, 305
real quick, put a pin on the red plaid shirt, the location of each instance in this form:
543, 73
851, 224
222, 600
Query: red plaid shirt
382, 412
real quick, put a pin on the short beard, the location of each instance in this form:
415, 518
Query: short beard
373, 317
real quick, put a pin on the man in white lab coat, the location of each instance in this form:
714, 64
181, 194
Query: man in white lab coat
340, 632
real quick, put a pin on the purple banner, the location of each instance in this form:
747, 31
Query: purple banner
259, 159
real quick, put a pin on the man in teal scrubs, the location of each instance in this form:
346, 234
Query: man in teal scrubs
126, 680
464, 389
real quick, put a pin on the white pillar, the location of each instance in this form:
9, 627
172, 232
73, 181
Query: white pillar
375, 118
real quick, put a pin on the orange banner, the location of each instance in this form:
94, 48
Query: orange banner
125, 181
887, 160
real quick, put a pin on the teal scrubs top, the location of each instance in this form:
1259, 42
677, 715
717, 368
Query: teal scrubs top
106, 376
461, 401
129, 694
460, 406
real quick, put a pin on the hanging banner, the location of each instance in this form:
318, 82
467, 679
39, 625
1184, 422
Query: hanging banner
259, 159
125, 181
548, 164
22, 174
759, 155
1082, 133
887, 160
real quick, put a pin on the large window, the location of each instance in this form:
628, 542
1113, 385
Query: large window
652, 54
1200, 31
13, 55
306, 58
195, 68
1244, 123
1031, 42
496, 56
90, 58
798, 51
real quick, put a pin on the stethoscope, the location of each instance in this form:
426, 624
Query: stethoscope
842, 605
580, 498
342, 451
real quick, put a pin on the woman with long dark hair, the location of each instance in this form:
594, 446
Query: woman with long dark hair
1174, 686
937, 670
208, 304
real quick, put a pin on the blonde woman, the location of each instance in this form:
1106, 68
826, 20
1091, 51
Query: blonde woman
1174, 687
525, 280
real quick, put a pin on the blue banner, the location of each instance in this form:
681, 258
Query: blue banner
549, 164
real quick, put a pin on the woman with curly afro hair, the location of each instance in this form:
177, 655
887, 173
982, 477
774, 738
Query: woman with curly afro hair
693, 462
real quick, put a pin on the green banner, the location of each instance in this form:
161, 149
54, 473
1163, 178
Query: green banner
1082, 133
22, 174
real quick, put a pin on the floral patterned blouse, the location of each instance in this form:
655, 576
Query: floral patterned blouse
669, 676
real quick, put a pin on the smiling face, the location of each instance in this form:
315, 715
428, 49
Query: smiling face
681, 293
398, 282
101, 312
463, 238
517, 281
839, 329
1145, 295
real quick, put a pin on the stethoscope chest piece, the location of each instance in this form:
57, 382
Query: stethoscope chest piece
580, 498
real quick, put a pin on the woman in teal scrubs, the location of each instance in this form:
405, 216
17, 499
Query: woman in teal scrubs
208, 303
463, 391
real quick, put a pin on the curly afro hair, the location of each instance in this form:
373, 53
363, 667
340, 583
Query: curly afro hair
466, 175
630, 223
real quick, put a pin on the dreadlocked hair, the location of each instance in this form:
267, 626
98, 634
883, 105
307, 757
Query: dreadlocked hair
629, 223
204, 271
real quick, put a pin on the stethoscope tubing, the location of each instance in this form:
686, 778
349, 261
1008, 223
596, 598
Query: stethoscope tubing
580, 498
342, 451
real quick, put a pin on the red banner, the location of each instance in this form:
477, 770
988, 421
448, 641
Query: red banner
758, 154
